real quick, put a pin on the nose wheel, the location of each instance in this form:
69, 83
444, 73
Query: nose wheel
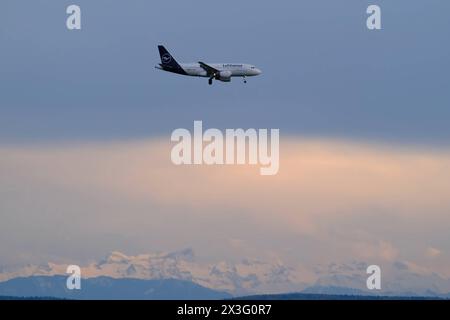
210, 81
245, 80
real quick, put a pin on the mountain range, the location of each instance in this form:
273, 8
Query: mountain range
244, 278
106, 288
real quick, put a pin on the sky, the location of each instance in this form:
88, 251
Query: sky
85, 124
325, 74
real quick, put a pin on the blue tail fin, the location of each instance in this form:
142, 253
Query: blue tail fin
168, 62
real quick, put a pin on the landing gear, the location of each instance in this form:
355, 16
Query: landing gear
210, 81
245, 80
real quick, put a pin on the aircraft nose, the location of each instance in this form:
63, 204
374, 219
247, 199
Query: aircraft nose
257, 71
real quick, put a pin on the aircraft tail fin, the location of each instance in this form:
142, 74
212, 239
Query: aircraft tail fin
167, 61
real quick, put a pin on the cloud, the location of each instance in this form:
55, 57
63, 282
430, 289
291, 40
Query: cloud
433, 252
381, 250
331, 200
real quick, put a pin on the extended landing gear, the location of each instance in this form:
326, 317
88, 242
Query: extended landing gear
210, 81
245, 80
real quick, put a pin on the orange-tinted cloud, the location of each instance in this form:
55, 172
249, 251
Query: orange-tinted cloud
360, 199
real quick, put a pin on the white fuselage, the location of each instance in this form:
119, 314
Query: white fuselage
236, 69
226, 69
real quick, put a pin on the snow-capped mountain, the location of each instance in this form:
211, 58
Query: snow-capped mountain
245, 277
397, 278
249, 277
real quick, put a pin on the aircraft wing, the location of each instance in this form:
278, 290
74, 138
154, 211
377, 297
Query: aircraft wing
210, 70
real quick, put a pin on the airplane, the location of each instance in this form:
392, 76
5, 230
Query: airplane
218, 71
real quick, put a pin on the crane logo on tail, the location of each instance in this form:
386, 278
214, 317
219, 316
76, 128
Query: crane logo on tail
166, 58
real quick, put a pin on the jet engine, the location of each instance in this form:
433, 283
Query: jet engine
224, 76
